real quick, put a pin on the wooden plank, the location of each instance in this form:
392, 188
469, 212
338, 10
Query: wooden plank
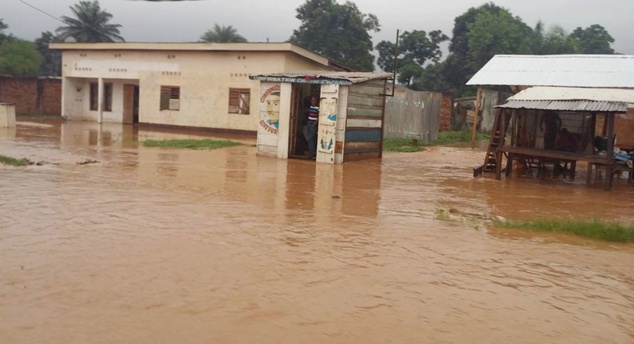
363, 146
365, 112
364, 123
561, 155
360, 156
355, 100
363, 135
475, 117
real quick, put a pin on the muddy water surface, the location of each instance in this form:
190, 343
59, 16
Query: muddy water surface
172, 246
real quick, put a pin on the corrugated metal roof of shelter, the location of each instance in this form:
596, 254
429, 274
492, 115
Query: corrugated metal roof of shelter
321, 77
605, 71
576, 93
566, 105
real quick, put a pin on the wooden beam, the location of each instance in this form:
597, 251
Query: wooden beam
475, 117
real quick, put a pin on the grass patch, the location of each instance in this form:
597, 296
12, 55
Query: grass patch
7, 160
402, 145
593, 229
444, 138
191, 144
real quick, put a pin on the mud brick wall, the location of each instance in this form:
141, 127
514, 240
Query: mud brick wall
32, 96
445, 112
624, 129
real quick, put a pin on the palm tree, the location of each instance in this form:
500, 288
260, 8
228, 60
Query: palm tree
90, 24
222, 34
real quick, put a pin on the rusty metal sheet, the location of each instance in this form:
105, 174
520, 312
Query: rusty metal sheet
321, 77
569, 105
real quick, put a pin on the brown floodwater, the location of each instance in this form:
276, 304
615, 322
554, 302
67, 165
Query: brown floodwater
152, 245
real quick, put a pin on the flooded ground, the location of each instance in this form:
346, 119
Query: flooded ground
155, 245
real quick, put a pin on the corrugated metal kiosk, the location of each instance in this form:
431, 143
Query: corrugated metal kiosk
351, 114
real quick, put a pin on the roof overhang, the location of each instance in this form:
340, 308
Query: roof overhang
598, 71
566, 105
573, 99
200, 46
321, 77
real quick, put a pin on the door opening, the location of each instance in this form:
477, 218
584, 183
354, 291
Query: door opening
130, 104
300, 105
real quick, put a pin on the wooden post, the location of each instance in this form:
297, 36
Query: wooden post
475, 117
611, 137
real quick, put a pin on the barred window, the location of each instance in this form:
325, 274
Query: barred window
170, 98
94, 96
239, 100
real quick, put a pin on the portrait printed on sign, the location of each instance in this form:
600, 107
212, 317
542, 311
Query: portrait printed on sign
270, 109
329, 110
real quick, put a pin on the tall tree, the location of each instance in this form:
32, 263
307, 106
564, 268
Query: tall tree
594, 39
91, 24
414, 50
51, 60
19, 58
222, 34
478, 34
490, 34
3, 36
337, 31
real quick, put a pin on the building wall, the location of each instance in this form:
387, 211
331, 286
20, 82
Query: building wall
32, 95
624, 129
204, 79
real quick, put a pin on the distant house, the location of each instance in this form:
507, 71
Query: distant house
571, 108
521, 71
203, 85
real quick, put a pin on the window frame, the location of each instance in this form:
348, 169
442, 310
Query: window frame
237, 104
94, 97
167, 94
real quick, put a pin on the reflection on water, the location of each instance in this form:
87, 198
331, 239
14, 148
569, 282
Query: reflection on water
193, 246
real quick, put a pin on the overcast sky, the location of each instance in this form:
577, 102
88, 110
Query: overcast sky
258, 20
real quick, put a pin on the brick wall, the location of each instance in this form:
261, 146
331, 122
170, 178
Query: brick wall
446, 106
31, 95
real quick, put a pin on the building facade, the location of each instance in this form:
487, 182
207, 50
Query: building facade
203, 85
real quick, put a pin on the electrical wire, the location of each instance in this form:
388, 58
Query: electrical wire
42, 11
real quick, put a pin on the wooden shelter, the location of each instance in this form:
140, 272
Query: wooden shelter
558, 126
351, 114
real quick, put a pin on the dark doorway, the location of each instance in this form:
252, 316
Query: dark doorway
300, 103
130, 104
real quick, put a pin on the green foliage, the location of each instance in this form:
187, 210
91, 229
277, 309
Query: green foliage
557, 41
19, 58
222, 34
51, 60
478, 34
191, 144
593, 229
594, 39
414, 50
89, 25
7, 160
494, 33
337, 31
